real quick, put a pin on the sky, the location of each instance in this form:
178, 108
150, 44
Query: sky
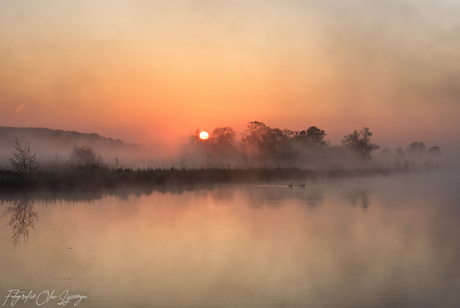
155, 71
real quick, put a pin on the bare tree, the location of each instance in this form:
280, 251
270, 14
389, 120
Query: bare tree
23, 161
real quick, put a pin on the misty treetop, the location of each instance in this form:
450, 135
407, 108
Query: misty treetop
416, 149
313, 136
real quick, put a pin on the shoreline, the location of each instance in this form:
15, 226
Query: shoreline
97, 179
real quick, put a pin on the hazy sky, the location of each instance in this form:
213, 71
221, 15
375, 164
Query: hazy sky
155, 71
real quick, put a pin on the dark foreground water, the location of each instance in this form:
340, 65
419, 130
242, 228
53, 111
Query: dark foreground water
378, 242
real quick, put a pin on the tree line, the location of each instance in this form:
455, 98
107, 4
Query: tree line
261, 145
258, 146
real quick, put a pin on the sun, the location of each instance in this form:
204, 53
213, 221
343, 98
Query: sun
204, 135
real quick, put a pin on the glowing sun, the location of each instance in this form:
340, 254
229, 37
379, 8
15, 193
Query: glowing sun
204, 135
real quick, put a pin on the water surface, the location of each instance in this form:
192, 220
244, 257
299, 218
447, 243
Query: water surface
374, 242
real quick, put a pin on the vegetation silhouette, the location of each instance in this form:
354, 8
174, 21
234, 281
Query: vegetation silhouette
267, 147
360, 143
23, 161
89, 180
416, 149
86, 157
55, 146
262, 154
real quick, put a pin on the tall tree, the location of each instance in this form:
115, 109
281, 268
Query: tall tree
221, 146
223, 137
254, 139
268, 145
360, 143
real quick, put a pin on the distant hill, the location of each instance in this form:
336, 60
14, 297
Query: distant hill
63, 137
56, 145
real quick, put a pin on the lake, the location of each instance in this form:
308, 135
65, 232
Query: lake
369, 242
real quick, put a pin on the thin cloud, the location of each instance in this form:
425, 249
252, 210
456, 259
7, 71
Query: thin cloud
19, 108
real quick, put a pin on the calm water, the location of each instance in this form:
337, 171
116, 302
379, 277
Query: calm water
379, 242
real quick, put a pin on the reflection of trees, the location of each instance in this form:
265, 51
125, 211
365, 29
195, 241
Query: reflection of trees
360, 198
274, 196
22, 219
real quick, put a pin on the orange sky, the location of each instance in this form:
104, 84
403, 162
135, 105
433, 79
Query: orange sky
155, 71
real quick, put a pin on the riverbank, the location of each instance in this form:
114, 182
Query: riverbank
81, 179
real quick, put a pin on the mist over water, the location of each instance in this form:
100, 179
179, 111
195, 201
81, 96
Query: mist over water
374, 242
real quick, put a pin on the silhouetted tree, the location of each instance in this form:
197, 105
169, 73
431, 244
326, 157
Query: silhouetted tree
85, 156
416, 149
220, 148
23, 161
254, 139
360, 143
400, 156
278, 145
255, 134
223, 137
316, 136
312, 136
434, 151
267, 145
